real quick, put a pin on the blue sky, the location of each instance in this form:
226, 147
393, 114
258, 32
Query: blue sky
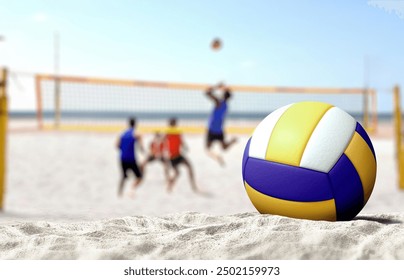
286, 43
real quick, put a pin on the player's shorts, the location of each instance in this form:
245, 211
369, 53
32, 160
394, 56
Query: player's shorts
177, 160
130, 166
211, 137
153, 158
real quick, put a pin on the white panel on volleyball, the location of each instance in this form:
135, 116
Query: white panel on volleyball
262, 133
328, 140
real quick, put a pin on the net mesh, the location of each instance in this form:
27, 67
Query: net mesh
106, 104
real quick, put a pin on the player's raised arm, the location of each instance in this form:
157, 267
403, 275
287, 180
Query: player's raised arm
209, 93
227, 91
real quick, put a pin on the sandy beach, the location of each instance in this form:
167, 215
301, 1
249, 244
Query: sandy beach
62, 204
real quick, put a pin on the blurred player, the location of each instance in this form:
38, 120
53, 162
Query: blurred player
216, 121
174, 144
156, 152
127, 144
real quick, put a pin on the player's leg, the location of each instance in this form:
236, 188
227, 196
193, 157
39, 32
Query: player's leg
226, 145
166, 166
124, 168
173, 179
121, 185
138, 180
190, 174
147, 161
209, 141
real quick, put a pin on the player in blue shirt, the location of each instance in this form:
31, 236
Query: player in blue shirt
127, 144
216, 121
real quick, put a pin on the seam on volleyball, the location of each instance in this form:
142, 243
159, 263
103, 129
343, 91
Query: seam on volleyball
269, 138
280, 198
374, 155
281, 163
271, 196
343, 151
311, 133
332, 190
243, 169
290, 200
350, 140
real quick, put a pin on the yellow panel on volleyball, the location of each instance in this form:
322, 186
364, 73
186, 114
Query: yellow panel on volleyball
362, 158
319, 210
292, 132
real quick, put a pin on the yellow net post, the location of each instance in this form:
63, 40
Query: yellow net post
3, 134
399, 146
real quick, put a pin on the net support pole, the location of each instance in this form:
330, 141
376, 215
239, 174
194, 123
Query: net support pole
57, 102
365, 109
374, 119
39, 109
3, 134
397, 124
57, 79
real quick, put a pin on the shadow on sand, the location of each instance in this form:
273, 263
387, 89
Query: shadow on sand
385, 221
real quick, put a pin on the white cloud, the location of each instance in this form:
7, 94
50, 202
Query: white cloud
390, 6
40, 17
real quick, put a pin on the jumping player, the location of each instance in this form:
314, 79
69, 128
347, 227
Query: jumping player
173, 144
216, 121
156, 152
127, 144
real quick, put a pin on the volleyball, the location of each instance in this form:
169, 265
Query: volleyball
309, 160
216, 44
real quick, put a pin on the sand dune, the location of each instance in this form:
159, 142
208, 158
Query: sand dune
201, 236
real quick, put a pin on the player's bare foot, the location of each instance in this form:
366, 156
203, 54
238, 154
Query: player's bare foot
227, 145
221, 161
216, 157
170, 185
132, 194
195, 189
205, 194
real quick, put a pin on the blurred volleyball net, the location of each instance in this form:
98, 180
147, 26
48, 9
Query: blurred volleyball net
97, 104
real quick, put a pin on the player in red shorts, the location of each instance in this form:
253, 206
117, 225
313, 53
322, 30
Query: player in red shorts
156, 152
173, 145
